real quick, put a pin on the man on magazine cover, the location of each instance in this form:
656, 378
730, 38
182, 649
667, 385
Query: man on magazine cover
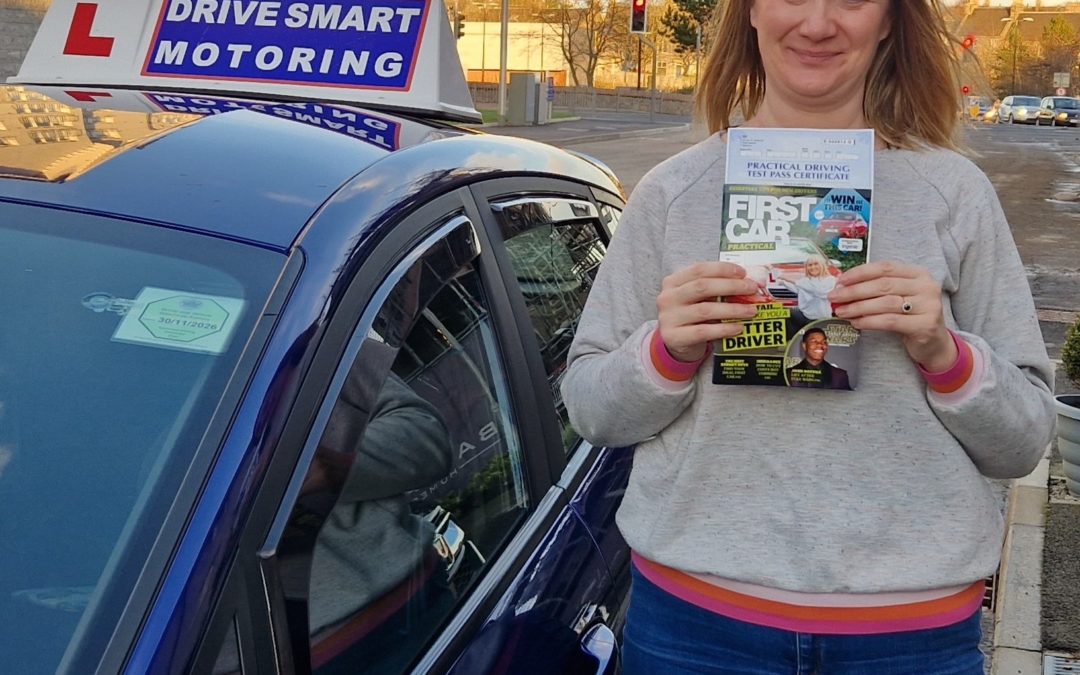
814, 371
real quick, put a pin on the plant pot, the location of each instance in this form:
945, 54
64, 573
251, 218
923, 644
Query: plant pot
1068, 431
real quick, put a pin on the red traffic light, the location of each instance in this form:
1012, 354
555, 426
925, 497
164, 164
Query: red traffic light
965, 89
637, 16
968, 42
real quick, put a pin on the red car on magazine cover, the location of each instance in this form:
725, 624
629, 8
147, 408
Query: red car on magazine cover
843, 224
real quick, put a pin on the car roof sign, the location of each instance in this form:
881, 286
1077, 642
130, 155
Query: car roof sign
397, 54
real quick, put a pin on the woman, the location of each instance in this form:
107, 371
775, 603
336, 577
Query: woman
851, 533
812, 289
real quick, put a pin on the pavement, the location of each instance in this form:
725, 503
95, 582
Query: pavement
1032, 626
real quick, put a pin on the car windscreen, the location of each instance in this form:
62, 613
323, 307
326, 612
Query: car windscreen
118, 342
1025, 100
794, 252
1066, 103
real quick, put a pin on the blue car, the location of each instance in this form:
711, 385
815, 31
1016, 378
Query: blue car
280, 390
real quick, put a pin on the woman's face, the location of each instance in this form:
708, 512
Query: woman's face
816, 52
813, 268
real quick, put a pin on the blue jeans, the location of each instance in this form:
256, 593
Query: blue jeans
668, 636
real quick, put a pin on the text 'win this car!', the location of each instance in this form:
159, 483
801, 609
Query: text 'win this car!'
282, 349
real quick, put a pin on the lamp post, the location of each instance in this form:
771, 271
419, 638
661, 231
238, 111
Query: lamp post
1016, 40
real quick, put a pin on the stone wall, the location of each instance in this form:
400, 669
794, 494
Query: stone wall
17, 29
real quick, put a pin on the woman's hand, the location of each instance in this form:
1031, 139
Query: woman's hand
903, 299
690, 312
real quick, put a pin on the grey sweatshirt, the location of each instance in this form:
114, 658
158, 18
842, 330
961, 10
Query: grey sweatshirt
876, 490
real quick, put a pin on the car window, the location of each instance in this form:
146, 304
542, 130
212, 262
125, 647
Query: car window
417, 479
1025, 100
118, 342
228, 660
555, 248
610, 216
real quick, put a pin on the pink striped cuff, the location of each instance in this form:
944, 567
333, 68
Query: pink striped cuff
866, 618
667, 365
948, 381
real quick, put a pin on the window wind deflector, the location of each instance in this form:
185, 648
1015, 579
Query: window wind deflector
519, 215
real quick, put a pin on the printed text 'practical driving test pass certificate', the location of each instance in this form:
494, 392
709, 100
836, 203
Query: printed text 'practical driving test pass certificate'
796, 214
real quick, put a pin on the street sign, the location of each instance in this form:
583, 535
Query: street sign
1061, 80
1060, 91
551, 89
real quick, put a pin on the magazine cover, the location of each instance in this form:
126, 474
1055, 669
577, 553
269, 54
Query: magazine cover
796, 214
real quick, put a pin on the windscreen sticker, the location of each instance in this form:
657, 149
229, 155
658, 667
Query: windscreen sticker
180, 320
352, 43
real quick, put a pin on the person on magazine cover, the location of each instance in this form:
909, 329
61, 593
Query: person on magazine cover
812, 290
814, 371
843, 534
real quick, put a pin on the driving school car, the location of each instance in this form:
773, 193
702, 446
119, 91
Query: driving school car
280, 387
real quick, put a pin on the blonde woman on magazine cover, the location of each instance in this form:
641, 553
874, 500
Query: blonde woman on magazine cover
780, 530
812, 289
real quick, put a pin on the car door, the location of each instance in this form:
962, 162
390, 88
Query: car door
419, 526
550, 239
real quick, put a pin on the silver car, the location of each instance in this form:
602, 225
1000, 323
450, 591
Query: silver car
1019, 110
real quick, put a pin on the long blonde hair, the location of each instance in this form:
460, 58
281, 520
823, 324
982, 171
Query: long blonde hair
912, 93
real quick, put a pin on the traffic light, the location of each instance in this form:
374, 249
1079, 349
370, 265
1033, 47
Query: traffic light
968, 42
637, 16
459, 25
965, 90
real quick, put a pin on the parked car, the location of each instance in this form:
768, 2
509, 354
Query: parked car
1019, 110
280, 379
1058, 111
976, 107
843, 224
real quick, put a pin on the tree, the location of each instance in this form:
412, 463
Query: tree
682, 20
1060, 42
588, 31
1006, 62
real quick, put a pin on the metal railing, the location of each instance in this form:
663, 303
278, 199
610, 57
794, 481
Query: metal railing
575, 99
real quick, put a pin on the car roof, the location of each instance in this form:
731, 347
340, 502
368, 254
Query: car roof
240, 168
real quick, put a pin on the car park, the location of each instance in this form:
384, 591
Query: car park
1059, 111
1019, 110
280, 387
